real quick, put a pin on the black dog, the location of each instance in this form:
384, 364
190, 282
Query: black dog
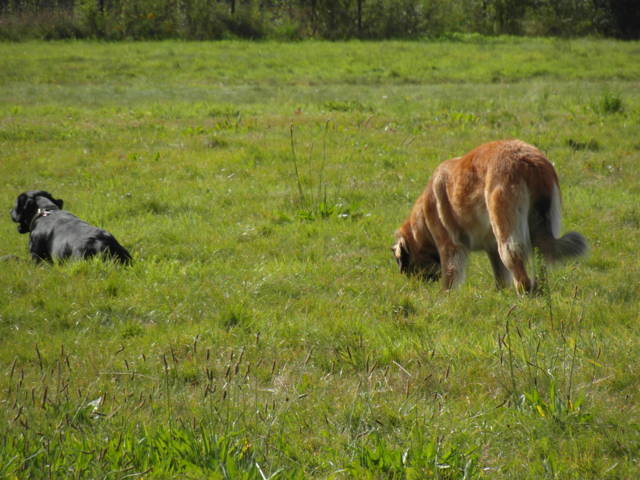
57, 234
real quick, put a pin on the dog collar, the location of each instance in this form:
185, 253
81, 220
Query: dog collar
41, 212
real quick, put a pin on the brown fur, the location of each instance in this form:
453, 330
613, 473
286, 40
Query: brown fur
502, 197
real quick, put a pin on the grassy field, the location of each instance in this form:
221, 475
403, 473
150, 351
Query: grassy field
263, 330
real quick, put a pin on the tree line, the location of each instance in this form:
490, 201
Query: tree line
324, 19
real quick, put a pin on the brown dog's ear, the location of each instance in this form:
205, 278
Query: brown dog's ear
401, 254
405, 257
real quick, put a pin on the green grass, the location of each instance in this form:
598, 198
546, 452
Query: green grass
263, 330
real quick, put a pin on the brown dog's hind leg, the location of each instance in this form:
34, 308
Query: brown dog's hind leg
508, 215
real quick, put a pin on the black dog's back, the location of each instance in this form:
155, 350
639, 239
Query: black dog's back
62, 235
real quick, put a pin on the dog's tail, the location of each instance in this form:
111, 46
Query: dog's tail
544, 224
117, 252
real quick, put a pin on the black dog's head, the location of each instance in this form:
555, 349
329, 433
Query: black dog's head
27, 205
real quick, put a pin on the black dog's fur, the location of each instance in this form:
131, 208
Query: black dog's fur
57, 234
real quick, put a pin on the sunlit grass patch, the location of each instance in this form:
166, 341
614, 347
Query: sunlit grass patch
263, 329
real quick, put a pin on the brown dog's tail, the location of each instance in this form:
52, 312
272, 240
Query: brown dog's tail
544, 225
571, 244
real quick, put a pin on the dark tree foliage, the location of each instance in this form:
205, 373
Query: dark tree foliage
624, 16
329, 19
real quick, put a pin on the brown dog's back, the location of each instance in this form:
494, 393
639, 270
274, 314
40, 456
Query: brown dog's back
502, 197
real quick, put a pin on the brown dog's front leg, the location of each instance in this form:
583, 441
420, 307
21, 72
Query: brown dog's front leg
454, 260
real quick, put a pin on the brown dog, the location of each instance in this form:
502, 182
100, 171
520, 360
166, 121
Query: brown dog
502, 197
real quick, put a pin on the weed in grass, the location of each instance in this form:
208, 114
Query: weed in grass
551, 405
609, 103
235, 316
313, 202
423, 458
541, 364
216, 142
590, 145
405, 308
347, 106
631, 217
